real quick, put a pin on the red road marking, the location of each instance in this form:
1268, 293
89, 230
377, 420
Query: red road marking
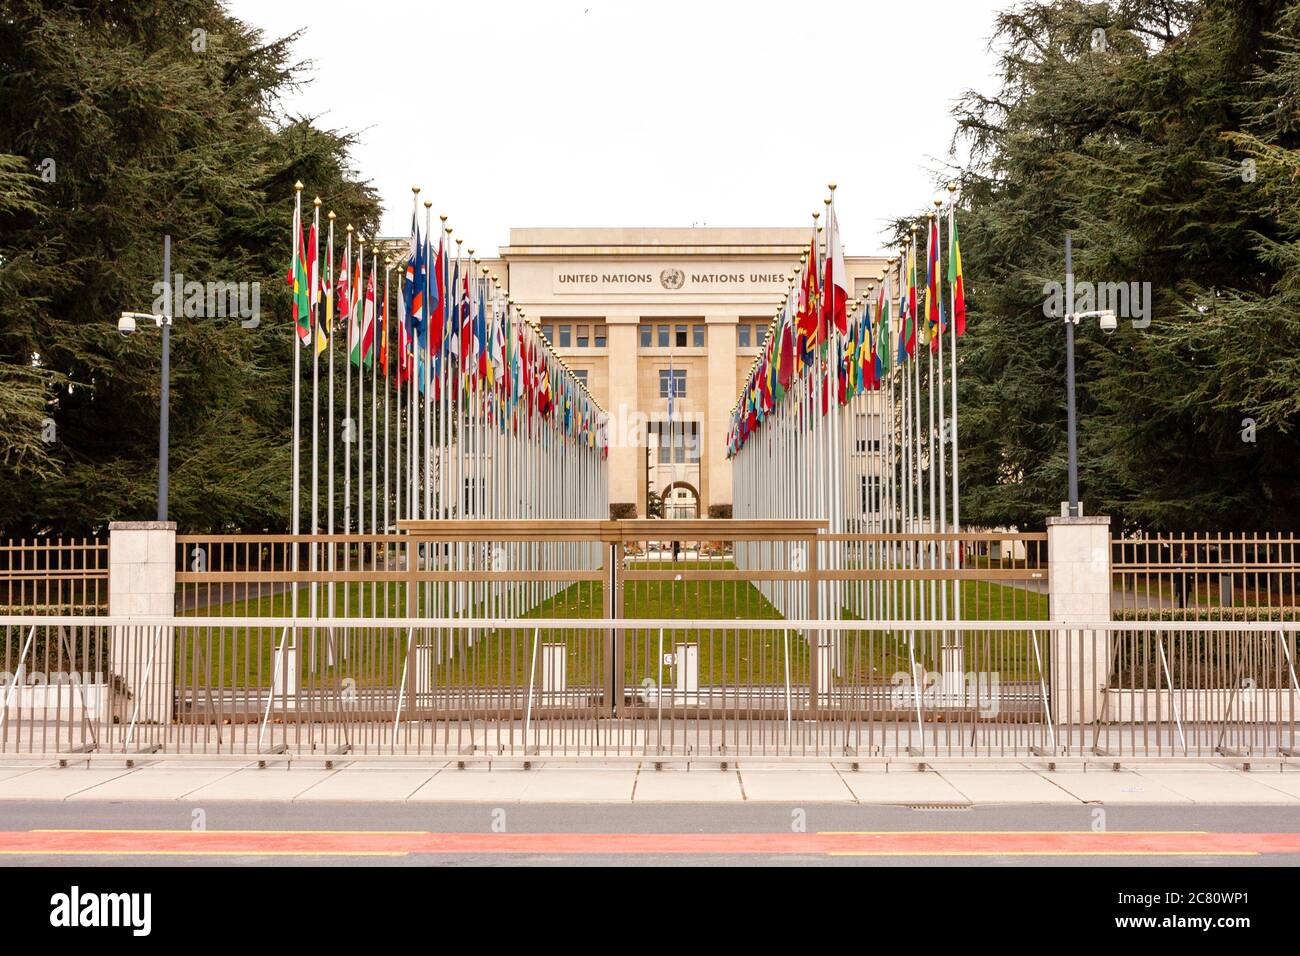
327, 842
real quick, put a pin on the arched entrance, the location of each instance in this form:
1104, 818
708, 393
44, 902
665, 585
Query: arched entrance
681, 500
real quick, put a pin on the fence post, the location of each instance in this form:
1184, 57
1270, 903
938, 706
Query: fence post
142, 583
1079, 586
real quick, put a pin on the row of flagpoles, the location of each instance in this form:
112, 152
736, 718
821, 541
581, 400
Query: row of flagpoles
850, 415
454, 405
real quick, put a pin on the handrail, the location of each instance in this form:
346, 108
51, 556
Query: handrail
626, 623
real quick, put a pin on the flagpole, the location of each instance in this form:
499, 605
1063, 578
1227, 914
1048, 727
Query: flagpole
349, 426
297, 385
956, 495
313, 288
329, 342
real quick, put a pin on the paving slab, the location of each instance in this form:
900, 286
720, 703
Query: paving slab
903, 787
7, 772
268, 784
580, 786
152, 784
1007, 786
475, 785
798, 785
687, 786
352, 786
56, 783
1202, 787
1109, 786
1288, 783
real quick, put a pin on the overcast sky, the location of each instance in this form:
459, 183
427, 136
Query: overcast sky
600, 113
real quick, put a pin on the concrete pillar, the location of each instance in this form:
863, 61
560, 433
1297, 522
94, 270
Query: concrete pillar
142, 584
1079, 585
721, 337
626, 451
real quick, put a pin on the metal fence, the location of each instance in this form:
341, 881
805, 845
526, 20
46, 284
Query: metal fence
654, 689
1208, 577
54, 576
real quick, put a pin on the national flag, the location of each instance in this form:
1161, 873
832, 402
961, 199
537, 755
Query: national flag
933, 326
342, 292
417, 312
884, 349
954, 278
785, 374
806, 315
363, 348
383, 337
298, 279
835, 295
910, 323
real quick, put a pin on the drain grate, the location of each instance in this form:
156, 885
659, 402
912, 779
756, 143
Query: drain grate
938, 806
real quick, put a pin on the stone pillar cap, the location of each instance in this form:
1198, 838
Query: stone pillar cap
1053, 520
142, 526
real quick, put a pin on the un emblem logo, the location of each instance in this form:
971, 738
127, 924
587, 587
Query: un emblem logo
672, 279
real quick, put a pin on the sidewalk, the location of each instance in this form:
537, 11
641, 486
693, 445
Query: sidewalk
439, 782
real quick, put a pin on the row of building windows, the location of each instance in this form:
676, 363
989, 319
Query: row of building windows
575, 336
751, 336
666, 335
678, 443
662, 335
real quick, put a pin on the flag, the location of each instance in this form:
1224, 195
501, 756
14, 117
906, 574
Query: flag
954, 278
383, 337
785, 374
416, 282
933, 325
835, 295
806, 314
298, 279
363, 344
342, 292
882, 320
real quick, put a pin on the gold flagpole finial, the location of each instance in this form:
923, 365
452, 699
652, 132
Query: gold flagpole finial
831, 186
298, 186
316, 201
331, 215
349, 227
428, 204
415, 189
443, 217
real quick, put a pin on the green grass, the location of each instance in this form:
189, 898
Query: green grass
504, 658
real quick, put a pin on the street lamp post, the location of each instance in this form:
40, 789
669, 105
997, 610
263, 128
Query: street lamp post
164, 415
1106, 319
126, 324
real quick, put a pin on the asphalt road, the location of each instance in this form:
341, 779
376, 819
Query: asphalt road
272, 834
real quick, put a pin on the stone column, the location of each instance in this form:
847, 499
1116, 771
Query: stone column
626, 450
142, 585
718, 403
1079, 585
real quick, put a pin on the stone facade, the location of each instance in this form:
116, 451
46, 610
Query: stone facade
624, 306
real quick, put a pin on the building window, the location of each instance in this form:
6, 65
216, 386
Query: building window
647, 333
581, 375
679, 444
584, 336
600, 335
678, 378
566, 336
549, 332
742, 336
661, 338
680, 338
697, 336
868, 432
870, 492
760, 335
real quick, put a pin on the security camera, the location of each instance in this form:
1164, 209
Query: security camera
126, 324
1107, 321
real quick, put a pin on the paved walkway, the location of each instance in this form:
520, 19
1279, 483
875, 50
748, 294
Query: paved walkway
1003, 784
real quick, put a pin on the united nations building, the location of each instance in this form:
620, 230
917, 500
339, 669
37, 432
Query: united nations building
653, 317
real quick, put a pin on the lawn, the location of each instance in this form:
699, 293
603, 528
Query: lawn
501, 658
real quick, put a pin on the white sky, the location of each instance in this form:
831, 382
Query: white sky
667, 113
